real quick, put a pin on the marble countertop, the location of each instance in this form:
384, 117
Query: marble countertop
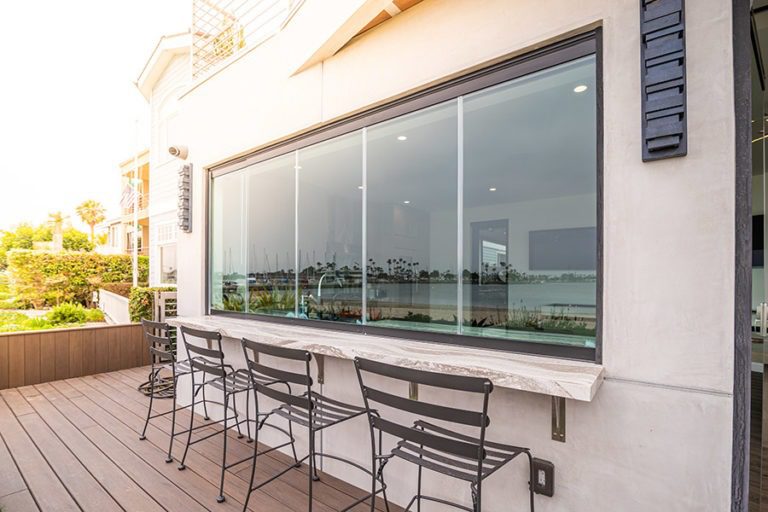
578, 380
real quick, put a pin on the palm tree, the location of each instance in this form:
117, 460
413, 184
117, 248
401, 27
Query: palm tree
91, 212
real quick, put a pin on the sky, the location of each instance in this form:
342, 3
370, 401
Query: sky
68, 103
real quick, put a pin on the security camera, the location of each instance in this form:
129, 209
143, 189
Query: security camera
178, 152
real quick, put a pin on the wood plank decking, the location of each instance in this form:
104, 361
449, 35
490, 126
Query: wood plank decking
73, 445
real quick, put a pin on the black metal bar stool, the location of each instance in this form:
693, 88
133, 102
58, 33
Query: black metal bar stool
162, 350
438, 448
207, 369
306, 408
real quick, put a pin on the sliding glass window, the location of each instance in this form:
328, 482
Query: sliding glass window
472, 218
412, 183
330, 236
530, 207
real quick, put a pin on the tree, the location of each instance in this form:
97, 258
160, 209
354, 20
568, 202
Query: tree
75, 240
23, 237
91, 212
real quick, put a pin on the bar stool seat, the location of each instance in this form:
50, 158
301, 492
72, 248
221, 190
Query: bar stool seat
236, 382
496, 457
325, 412
181, 367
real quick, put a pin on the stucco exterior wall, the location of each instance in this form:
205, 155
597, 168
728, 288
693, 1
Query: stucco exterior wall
658, 435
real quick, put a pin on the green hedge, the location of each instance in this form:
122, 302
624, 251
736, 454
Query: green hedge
122, 289
42, 278
141, 303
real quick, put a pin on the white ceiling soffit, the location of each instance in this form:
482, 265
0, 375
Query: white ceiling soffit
351, 19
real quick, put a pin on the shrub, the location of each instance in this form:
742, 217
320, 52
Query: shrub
40, 278
122, 289
75, 240
141, 302
12, 322
67, 313
37, 324
94, 315
23, 237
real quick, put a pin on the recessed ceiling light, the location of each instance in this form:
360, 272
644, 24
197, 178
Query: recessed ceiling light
402, 137
360, 187
492, 189
298, 167
406, 202
580, 88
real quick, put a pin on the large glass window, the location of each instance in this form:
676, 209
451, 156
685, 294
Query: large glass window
472, 216
228, 280
330, 230
269, 237
412, 183
530, 207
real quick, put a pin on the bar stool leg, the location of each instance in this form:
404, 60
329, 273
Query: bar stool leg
253, 468
205, 405
248, 414
311, 460
418, 492
152, 377
293, 444
220, 497
237, 417
315, 476
381, 474
191, 424
169, 458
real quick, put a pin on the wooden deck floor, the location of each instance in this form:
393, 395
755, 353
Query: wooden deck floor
73, 445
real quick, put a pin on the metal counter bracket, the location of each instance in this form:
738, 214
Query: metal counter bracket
320, 358
558, 419
413, 391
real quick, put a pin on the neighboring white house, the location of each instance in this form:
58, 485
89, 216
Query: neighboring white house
165, 76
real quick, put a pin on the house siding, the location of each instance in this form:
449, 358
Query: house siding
164, 109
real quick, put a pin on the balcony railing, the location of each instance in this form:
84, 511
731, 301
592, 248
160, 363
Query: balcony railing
143, 204
222, 28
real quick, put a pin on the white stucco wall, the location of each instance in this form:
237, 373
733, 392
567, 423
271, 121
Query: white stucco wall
658, 435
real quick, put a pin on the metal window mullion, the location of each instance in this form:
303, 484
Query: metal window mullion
364, 291
460, 216
296, 233
244, 237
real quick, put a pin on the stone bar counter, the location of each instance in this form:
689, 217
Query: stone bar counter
577, 380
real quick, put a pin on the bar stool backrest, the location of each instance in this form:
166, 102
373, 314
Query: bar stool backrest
158, 338
473, 448
208, 359
259, 372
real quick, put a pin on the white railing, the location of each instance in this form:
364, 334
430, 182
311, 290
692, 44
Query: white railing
222, 28
115, 307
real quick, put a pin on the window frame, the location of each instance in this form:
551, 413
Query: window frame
160, 248
582, 45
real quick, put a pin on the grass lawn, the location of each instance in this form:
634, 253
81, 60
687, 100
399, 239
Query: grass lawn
12, 321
